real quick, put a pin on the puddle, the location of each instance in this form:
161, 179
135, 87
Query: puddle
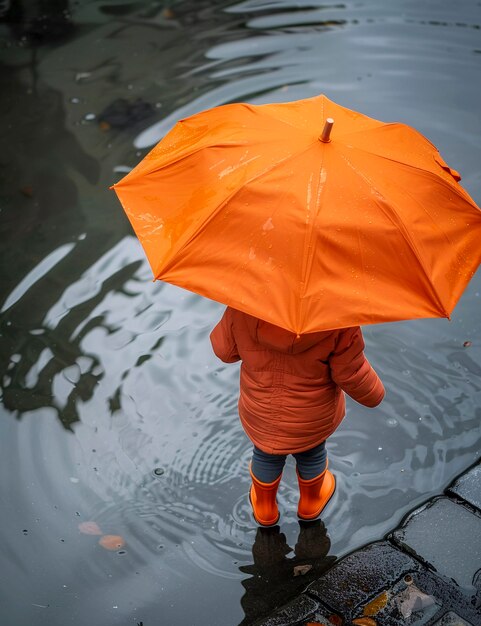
114, 410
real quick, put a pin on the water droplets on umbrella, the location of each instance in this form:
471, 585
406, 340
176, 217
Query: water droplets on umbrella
268, 225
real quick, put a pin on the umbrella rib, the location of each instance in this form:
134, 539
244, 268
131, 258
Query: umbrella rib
309, 248
459, 191
283, 121
136, 172
405, 233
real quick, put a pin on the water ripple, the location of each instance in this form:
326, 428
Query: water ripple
108, 376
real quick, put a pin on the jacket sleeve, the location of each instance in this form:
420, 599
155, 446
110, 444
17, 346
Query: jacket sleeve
352, 371
223, 340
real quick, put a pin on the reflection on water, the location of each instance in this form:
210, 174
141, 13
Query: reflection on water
107, 377
274, 571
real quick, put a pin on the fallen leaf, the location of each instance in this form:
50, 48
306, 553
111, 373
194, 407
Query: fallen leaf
300, 570
89, 528
168, 14
376, 605
413, 599
364, 621
104, 126
112, 542
335, 619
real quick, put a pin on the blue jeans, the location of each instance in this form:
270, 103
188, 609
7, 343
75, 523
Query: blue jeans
310, 463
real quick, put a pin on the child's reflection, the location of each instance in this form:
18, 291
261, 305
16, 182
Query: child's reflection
273, 581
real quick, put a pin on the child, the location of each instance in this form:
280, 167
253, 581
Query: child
291, 400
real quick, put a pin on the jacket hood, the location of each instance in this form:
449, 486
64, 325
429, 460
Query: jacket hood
282, 340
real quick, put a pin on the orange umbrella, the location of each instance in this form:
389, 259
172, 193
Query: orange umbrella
253, 207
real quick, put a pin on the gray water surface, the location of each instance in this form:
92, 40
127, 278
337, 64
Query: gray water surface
114, 409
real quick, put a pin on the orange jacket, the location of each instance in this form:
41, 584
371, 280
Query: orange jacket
291, 387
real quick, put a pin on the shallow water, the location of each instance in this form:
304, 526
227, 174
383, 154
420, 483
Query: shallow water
114, 409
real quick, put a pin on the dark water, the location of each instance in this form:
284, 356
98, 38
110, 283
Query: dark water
114, 410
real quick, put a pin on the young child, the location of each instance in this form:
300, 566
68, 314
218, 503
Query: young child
291, 400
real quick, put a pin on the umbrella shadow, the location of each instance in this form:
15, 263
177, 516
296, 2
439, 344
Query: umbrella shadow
275, 578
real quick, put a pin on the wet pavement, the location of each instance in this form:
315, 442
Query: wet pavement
116, 420
426, 572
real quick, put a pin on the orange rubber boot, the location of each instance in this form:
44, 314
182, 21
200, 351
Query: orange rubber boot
263, 501
315, 494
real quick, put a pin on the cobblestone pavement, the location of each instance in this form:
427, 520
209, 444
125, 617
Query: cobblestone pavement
425, 572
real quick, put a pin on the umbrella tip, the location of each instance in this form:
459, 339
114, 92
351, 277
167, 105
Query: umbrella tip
326, 133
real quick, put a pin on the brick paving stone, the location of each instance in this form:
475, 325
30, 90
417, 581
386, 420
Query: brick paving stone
452, 619
468, 486
447, 536
297, 612
357, 577
449, 595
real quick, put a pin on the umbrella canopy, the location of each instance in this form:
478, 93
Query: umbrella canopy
251, 206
